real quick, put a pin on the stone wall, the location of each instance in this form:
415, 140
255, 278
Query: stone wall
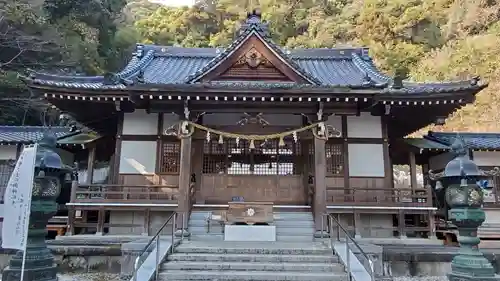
82, 253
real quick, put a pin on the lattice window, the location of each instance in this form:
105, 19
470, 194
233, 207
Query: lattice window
170, 157
289, 158
265, 159
334, 159
239, 158
214, 158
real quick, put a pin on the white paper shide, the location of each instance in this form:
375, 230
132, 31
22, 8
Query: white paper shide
18, 201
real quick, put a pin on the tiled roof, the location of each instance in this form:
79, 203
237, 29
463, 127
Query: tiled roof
327, 67
30, 134
423, 143
475, 141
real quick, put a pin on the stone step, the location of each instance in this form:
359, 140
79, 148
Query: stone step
280, 223
295, 238
295, 248
250, 275
206, 237
252, 266
277, 216
281, 238
279, 230
203, 257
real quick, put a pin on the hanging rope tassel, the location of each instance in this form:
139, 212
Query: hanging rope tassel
221, 140
252, 144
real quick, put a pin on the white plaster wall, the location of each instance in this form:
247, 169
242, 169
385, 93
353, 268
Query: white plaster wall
138, 157
438, 162
366, 160
487, 158
364, 126
335, 122
140, 123
8, 152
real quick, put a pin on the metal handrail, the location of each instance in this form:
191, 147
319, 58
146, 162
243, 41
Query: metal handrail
172, 217
330, 220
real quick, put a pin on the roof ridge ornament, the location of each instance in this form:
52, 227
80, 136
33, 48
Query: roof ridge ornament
254, 22
111, 78
397, 81
475, 80
367, 80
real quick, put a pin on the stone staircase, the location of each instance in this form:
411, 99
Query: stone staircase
218, 260
290, 226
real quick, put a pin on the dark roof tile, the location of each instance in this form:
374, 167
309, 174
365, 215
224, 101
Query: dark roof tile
424, 143
30, 134
475, 141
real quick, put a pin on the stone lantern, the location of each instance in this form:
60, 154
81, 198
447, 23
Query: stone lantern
49, 177
465, 198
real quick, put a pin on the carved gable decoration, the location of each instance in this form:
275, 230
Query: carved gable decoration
253, 65
253, 61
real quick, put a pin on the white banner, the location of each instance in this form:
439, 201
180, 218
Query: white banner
17, 201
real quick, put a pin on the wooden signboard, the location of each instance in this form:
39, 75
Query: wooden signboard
250, 212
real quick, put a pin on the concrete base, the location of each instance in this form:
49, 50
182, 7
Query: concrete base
258, 233
460, 277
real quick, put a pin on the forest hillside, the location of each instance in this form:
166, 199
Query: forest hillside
420, 39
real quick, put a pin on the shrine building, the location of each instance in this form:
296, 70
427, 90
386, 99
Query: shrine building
309, 130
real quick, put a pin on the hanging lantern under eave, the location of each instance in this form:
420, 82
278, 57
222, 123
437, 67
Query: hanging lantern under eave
221, 139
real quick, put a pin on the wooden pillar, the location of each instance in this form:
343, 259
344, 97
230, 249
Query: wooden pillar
115, 168
71, 209
432, 225
319, 184
183, 202
19, 150
388, 169
306, 170
345, 148
159, 144
413, 172
91, 164
425, 172
401, 224
197, 170
100, 221
357, 225
147, 219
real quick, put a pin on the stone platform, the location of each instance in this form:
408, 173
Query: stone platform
263, 233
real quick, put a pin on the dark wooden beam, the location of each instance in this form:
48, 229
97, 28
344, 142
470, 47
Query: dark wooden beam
254, 107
